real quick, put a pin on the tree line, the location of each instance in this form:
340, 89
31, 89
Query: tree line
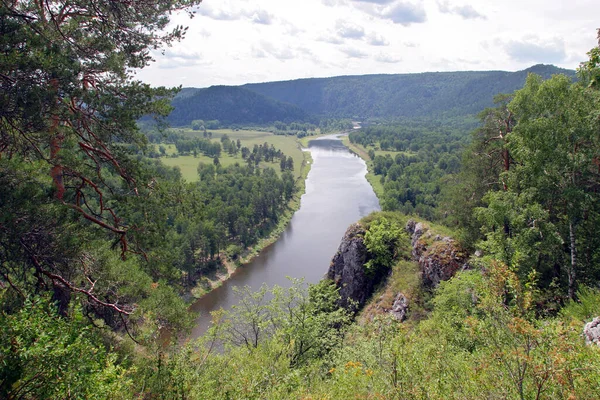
425, 157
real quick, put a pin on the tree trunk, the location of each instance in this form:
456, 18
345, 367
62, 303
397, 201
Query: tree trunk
572, 270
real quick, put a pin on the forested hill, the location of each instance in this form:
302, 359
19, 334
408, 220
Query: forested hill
231, 105
431, 94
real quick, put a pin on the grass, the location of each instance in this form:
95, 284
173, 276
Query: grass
188, 165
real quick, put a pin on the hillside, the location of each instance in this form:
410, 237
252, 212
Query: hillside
441, 94
230, 105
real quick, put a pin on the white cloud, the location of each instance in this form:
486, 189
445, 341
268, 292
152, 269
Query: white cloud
387, 58
262, 17
278, 52
353, 52
259, 16
535, 50
466, 11
375, 1
348, 30
238, 41
405, 13
331, 39
377, 40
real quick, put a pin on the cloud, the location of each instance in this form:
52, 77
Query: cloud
204, 33
291, 29
182, 53
268, 48
532, 49
374, 1
377, 40
258, 53
220, 15
444, 64
348, 30
258, 16
466, 11
387, 58
262, 17
405, 13
176, 58
333, 3
331, 39
352, 52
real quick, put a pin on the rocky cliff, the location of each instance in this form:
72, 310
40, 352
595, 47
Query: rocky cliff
347, 269
438, 257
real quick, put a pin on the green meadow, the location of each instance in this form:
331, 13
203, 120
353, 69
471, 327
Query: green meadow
188, 165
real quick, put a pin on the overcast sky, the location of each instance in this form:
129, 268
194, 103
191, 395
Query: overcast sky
232, 42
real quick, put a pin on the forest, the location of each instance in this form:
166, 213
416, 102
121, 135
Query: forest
232, 105
453, 97
101, 243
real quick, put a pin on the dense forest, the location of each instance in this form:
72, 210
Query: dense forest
232, 105
431, 95
415, 162
447, 96
100, 243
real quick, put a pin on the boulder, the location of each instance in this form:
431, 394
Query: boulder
400, 307
591, 332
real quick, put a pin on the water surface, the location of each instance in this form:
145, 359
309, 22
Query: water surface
337, 195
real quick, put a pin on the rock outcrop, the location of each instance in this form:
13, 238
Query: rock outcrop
439, 257
400, 307
347, 269
591, 332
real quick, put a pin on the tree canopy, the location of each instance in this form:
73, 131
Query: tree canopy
70, 104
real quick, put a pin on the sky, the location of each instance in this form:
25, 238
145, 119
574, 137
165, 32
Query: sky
232, 42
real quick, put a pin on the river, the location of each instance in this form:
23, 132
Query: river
337, 195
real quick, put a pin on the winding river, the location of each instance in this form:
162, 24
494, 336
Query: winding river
337, 195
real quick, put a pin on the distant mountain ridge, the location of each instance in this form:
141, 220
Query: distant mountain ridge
401, 95
428, 94
230, 105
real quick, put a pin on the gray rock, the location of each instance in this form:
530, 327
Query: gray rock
437, 262
400, 307
591, 331
347, 269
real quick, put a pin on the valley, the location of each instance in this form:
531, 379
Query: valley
366, 200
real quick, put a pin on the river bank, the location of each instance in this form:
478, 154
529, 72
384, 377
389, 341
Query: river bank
336, 195
229, 266
360, 151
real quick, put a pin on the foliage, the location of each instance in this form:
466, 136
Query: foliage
480, 341
45, 356
585, 307
98, 242
542, 216
414, 162
382, 240
67, 126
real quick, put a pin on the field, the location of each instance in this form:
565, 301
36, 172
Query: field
188, 164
